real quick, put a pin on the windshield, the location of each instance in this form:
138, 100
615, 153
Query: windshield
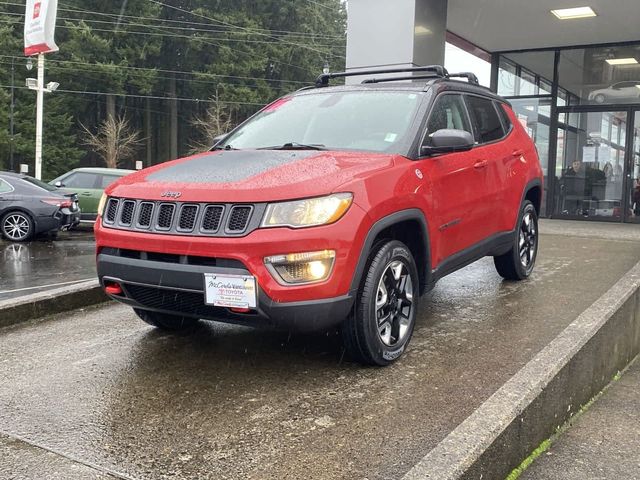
38, 183
374, 121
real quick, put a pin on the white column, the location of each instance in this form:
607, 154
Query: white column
395, 33
39, 116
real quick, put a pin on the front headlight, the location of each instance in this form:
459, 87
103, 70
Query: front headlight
101, 204
308, 212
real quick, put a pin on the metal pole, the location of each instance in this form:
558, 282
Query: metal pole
39, 116
11, 146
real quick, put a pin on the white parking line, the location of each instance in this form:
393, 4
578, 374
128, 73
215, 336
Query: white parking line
45, 286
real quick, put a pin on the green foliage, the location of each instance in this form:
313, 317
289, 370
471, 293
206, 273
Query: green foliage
249, 51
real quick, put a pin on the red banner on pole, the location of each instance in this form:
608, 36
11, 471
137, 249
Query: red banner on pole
40, 27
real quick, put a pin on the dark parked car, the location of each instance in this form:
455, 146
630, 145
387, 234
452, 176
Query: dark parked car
29, 207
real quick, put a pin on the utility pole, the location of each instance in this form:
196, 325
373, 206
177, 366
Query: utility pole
11, 141
39, 115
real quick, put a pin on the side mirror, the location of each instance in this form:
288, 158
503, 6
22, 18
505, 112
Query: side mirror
59, 184
447, 141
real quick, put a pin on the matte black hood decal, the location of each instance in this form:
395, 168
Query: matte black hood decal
227, 166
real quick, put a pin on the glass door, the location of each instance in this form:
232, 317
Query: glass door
632, 213
590, 164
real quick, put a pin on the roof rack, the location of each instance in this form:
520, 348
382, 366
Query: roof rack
437, 70
431, 71
468, 75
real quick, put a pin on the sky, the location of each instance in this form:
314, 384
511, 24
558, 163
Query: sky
457, 60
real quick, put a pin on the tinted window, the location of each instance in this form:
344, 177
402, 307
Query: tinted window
485, 119
448, 112
5, 187
39, 183
106, 180
80, 180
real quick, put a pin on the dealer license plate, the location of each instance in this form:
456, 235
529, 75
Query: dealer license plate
231, 291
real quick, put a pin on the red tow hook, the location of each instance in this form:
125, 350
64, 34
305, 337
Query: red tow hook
240, 310
113, 288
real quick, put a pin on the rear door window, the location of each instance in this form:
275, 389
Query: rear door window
81, 180
485, 119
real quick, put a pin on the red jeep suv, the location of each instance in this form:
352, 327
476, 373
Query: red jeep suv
334, 205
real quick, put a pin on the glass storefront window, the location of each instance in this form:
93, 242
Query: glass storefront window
590, 165
633, 212
525, 74
591, 75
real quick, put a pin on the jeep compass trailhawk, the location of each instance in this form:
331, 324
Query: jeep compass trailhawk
335, 205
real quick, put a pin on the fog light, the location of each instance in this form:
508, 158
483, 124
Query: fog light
299, 268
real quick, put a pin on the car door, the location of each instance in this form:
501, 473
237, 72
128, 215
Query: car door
85, 184
493, 158
454, 183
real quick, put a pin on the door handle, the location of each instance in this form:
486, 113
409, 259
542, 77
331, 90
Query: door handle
480, 164
85, 194
518, 153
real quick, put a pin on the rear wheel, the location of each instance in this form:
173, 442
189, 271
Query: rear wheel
518, 263
17, 226
380, 327
163, 321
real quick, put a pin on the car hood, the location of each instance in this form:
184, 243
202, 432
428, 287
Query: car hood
250, 175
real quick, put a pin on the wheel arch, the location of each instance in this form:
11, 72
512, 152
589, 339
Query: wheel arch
533, 192
408, 226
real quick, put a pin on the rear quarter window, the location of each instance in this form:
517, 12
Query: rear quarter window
5, 187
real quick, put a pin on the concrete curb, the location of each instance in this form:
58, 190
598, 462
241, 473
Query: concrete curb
61, 299
545, 393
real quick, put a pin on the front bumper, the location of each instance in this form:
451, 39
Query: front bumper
176, 288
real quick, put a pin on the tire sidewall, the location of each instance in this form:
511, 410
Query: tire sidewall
527, 207
23, 214
392, 251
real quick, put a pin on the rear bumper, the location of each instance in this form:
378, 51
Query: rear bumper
179, 289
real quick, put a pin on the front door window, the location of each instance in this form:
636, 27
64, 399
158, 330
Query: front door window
590, 165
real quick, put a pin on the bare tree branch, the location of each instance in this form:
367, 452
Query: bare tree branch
216, 121
114, 142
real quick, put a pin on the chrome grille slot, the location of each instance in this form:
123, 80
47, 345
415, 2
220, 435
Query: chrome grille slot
165, 216
145, 214
238, 218
188, 216
212, 217
112, 210
126, 217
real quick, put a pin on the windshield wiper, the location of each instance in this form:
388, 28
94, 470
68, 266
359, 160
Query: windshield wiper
226, 147
296, 146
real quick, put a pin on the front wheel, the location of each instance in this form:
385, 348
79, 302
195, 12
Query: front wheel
380, 327
518, 263
163, 321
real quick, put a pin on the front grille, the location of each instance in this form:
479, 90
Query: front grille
177, 218
212, 218
146, 212
239, 218
112, 210
188, 215
127, 212
165, 216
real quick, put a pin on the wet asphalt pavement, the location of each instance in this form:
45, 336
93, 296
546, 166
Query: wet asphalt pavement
97, 392
44, 263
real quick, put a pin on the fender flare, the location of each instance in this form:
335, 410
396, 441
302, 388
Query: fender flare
384, 223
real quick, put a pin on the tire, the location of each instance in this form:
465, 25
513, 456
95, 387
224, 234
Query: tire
599, 98
164, 321
389, 290
518, 263
17, 226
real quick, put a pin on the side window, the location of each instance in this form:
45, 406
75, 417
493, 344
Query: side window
5, 187
447, 112
485, 119
506, 121
106, 180
80, 180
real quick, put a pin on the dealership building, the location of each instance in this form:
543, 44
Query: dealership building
569, 68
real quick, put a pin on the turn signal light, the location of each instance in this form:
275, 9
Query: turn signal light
300, 268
